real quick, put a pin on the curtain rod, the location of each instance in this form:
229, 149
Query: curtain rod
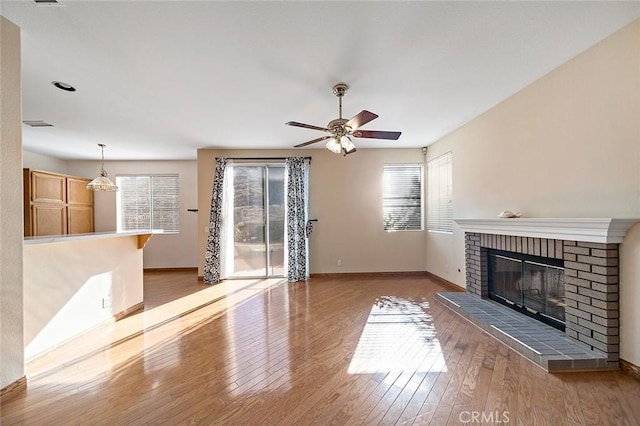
262, 158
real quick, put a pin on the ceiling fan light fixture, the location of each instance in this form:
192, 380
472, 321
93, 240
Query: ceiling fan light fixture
346, 143
334, 146
102, 182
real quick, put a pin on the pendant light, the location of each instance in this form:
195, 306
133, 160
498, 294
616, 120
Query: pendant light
102, 182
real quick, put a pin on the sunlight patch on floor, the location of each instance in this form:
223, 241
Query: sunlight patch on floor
269, 367
399, 336
243, 288
144, 333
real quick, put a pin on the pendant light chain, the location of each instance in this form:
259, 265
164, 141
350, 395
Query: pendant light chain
102, 149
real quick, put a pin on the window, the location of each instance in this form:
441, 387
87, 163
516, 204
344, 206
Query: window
148, 202
402, 197
440, 194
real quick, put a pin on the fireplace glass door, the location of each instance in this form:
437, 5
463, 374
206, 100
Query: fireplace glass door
532, 285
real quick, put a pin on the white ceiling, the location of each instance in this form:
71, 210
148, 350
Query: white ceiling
160, 79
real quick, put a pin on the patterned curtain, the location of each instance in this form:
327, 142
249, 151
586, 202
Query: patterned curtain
212, 261
296, 215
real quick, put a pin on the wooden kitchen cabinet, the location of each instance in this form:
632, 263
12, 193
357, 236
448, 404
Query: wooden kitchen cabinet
48, 219
79, 219
56, 204
47, 187
77, 192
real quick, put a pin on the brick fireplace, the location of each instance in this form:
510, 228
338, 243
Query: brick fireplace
589, 251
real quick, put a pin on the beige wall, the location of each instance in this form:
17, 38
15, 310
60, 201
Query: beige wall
162, 251
32, 160
11, 332
566, 146
56, 296
345, 195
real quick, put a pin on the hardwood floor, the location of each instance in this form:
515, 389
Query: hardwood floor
331, 351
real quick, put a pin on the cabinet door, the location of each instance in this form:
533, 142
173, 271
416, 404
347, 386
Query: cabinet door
47, 188
80, 219
49, 219
77, 192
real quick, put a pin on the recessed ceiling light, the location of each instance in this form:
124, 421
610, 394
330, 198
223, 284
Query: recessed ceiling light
48, 3
63, 86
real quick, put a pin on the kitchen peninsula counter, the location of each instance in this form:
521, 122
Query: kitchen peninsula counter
143, 237
72, 283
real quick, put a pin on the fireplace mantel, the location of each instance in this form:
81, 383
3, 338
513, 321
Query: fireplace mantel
593, 230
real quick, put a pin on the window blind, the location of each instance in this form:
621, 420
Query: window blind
402, 197
148, 202
440, 194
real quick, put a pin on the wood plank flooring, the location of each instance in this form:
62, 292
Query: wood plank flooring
341, 351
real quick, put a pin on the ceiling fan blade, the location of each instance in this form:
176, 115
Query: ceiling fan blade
312, 141
306, 126
376, 134
361, 119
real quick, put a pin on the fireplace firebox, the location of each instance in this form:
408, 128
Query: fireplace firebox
532, 285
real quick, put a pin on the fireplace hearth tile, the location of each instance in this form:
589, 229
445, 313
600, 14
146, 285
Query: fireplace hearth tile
542, 344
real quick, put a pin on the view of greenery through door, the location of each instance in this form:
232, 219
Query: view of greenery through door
258, 220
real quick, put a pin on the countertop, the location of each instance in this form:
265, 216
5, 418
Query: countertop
49, 239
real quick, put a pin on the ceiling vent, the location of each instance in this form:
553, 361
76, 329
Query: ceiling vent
37, 123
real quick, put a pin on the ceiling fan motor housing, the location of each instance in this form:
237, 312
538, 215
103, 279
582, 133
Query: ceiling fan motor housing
337, 127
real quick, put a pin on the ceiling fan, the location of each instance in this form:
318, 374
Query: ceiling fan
341, 129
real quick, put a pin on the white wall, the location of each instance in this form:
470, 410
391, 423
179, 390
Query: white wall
56, 295
566, 146
33, 160
162, 251
345, 195
11, 325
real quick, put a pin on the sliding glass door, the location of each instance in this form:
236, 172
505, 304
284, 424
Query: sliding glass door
258, 220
